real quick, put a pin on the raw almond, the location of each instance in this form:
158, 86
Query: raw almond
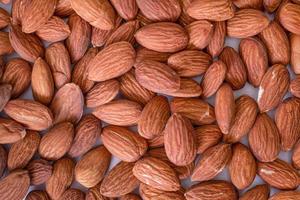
248, 3
130, 197
212, 162
143, 53
295, 87
289, 17
273, 87
18, 9
123, 143
111, 62
127, 9
5, 94
31, 114
57, 141
189, 63
197, 110
37, 195
264, 139
22, 151
279, 174
92, 166
284, 195
217, 40
113, 184
296, 156
64, 8
39, 171
247, 23
200, 33
67, 104
202, 9
11, 131
156, 174
272, 5
162, 37
259, 192
73, 194
5, 46
150, 193
94, 194
158, 141
102, 93
188, 88
184, 18
4, 18
98, 13
295, 53
3, 160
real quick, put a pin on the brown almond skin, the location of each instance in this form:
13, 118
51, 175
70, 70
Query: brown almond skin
5, 46
273, 87
282, 195
213, 161
296, 156
157, 77
225, 108
127, 9
87, 131
197, 110
3, 160
162, 37
150, 193
112, 62
272, 5
248, 3
67, 104
157, 141
94, 194
119, 180
154, 117
274, 36
132, 90
130, 197
254, 54
264, 139
37, 195
31, 114
179, 140
17, 73
247, 23
73, 194
28, 46
207, 136
259, 192
156, 174
39, 171
123, 143
119, 112
42, 83
91, 168
295, 87
18, 9
245, 116
57, 141
295, 53
184, 18
200, 33
5, 94
286, 121
78, 41
15, 185
189, 63
188, 88
143, 53
217, 190
11, 131
63, 8
61, 178
217, 40
289, 17
279, 174
102, 93
23, 151
236, 74
4, 18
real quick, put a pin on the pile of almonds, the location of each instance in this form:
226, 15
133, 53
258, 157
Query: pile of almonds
122, 72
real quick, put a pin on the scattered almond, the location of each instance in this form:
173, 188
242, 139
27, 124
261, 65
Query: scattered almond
289, 17
217, 40
39, 171
11, 131
200, 33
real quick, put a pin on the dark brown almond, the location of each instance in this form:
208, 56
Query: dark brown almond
217, 40
11, 131
39, 171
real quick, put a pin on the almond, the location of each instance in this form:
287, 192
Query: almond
147, 54
158, 141
254, 55
67, 104
272, 5
18, 9
245, 116
295, 53
5, 46
189, 63
207, 136
236, 74
184, 18
150, 193
279, 174
102, 93
31, 114
54, 30
58, 59
259, 192
295, 87
154, 117
119, 112
127, 9
247, 23
78, 41
3, 160
4, 18
273, 87
87, 131
248, 3
197, 110
98, 13
57, 141
11, 131
39, 171
28, 46
91, 168
63, 8
113, 186
156, 174
123, 143
296, 156
5, 94
130, 197
217, 40
213, 161
264, 139
162, 37
15, 185
282, 195
94, 194
157, 77
200, 33
289, 17
22, 151
188, 88
217, 190
37, 195
73, 194
61, 178
113, 61
211, 10
42, 83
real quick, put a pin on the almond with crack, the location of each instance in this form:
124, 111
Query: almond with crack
259, 192
127, 9
11, 131
39, 171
